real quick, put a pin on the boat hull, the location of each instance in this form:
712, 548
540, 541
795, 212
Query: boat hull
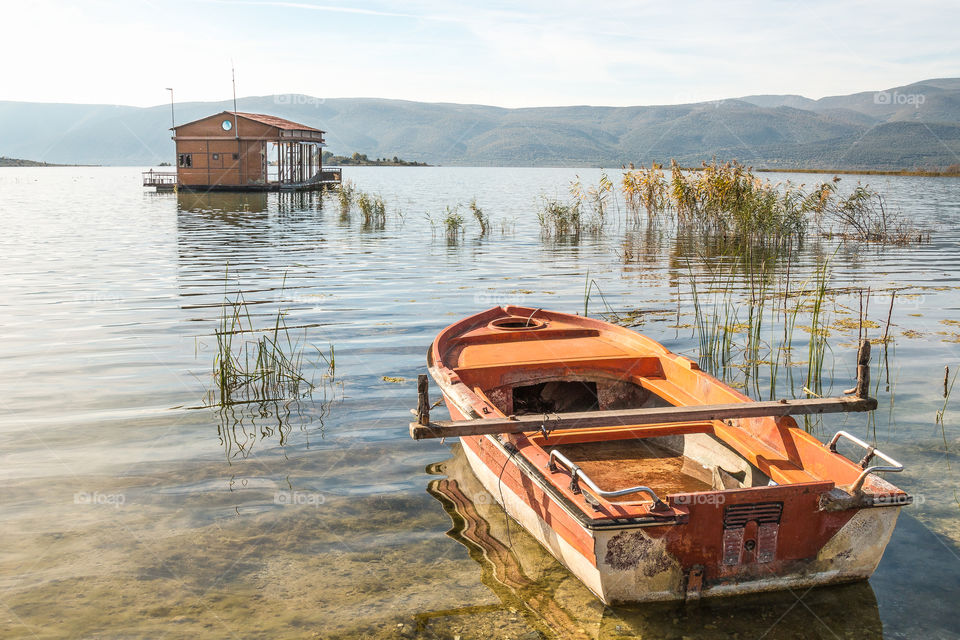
635, 563
739, 506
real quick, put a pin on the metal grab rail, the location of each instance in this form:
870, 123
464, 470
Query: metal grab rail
871, 451
577, 474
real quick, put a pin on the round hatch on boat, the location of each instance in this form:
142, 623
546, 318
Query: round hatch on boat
516, 323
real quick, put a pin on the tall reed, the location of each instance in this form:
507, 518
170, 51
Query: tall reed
345, 195
483, 219
730, 200
453, 223
260, 364
745, 315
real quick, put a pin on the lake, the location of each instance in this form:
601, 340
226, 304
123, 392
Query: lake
132, 509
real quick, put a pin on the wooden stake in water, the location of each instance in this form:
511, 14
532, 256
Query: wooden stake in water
863, 370
423, 399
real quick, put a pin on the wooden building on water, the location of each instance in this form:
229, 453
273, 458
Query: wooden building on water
235, 151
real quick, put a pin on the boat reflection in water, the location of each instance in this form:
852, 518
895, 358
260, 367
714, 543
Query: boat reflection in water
530, 583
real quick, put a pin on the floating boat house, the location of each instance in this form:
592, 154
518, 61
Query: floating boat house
235, 151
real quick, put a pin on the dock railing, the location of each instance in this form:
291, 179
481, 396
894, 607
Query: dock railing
330, 174
160, 179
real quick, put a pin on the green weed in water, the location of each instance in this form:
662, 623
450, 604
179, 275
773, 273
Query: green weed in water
729, 200
254, 365
453, 223
560, 220
745, 317
483, 219
345, 196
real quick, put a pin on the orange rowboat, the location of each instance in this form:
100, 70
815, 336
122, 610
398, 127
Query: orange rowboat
648, 478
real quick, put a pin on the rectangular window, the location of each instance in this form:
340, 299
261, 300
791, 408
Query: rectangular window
185, 160
236, 156
216, 156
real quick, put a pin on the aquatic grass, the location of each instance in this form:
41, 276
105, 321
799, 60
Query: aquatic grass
483, 219
453, 223
270, 367
744, 318
947, 391
864, 216
597, 197
560, 220
345, 197
373, 210
729, 200
588, 287
645, 189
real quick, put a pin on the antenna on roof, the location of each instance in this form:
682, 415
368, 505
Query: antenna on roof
233, 78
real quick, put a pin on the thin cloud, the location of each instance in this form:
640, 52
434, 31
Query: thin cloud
314, 7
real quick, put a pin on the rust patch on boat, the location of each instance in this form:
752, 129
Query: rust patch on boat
631, 549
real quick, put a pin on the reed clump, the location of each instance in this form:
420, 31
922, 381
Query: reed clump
647, 190
864, 216
587, 211
345, 196
453, 223
745, 316
560, 219
597, 198
729, 200
483, 219
254, 365
373, 209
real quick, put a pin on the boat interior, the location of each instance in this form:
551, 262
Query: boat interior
671, 458
686, 458
523, 361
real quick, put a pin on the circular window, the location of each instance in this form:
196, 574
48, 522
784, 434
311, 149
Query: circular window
517, 323
227, 125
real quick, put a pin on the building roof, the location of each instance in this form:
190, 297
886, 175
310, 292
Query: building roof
274, 121
271, 121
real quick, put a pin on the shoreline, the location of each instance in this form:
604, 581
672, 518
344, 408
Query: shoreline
868, 172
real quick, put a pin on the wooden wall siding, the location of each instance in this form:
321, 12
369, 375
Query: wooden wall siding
247, 169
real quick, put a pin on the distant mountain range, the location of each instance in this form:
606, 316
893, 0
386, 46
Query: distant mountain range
914, 126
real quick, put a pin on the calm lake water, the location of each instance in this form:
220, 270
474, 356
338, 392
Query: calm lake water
130, 510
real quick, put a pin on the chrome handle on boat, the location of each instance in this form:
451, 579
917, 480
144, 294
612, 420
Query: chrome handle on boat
577, 474
871, 451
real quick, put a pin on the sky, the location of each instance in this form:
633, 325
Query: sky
504, 53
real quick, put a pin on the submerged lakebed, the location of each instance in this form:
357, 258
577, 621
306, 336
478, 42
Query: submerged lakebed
130, 509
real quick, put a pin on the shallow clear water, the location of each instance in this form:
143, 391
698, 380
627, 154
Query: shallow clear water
129, 512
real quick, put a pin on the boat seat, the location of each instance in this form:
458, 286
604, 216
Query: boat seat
780, 469
669, 391
763, 457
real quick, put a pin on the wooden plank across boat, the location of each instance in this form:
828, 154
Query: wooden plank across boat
648, 478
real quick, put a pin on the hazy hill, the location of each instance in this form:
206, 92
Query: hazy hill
917, 125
